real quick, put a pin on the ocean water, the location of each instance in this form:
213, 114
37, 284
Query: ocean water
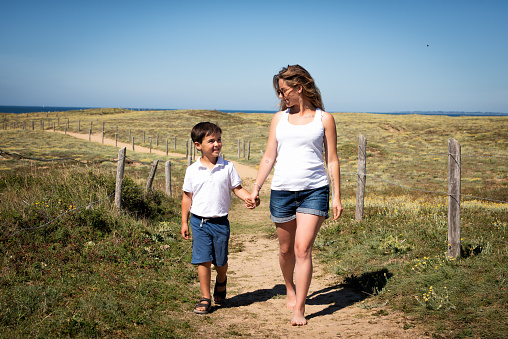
32, 109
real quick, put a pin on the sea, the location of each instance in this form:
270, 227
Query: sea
33, 109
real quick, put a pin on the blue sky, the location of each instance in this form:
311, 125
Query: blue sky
366, 56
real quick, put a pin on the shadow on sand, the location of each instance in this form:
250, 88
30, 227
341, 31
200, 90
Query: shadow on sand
335, 297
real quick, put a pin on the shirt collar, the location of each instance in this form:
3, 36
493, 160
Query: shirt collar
220, 162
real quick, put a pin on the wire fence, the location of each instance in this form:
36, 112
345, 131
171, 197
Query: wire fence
22, 157
432, 154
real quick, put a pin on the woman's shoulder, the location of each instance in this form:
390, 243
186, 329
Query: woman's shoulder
277, 116
326, 115
327, 118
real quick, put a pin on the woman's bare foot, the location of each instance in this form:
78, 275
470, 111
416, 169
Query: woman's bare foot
298, 320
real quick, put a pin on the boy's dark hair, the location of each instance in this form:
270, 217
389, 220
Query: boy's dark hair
201, 130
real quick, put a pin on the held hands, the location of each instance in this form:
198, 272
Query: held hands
252, 202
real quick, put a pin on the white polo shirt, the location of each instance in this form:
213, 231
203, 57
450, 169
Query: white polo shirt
211, 190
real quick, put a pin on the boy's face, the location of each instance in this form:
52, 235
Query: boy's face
210, 146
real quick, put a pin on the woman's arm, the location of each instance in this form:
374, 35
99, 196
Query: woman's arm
332, 162
269, 157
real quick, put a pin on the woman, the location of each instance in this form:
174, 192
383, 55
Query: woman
299, 199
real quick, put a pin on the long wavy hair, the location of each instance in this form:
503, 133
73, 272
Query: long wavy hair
295, 75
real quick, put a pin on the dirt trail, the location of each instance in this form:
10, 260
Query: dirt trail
243, 170
256, 303
256, 294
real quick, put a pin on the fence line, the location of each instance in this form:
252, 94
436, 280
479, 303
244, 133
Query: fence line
242, 144
447, 154
20, 156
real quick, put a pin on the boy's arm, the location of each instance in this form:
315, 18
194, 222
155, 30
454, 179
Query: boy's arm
242, 193
186, 205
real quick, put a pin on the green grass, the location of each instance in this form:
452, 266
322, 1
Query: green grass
94, 272
91, 272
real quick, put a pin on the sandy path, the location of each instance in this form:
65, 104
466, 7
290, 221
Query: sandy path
256, 294
256, 303
243, 170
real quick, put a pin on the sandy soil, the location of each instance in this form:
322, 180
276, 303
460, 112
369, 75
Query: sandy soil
244, 171
256, 294
256, 303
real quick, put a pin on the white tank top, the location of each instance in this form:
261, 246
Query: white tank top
300, 163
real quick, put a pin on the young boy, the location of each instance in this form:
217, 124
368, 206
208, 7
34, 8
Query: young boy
207, 197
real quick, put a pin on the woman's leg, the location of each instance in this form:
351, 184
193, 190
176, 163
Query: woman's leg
307, 227
286, 235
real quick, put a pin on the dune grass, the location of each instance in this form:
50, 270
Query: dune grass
94, 272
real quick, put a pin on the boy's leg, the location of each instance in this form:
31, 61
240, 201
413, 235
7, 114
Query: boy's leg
221, 278
286, 235
306, 231
221, 232
204, 274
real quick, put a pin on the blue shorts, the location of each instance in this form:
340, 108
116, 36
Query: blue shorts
285, 204
210, 239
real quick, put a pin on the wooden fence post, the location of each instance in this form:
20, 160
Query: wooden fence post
168, 177
157, 140
248, 151
133, 143
361, 173
152, 175
167, 144
79, 126
119, 177
454, 172
189, 161
90, 135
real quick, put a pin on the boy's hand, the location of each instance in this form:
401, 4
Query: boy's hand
185, 232
251, 204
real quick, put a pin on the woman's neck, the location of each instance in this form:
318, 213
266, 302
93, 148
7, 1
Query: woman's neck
303, 107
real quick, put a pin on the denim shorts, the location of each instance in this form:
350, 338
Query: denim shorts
285, 204
210, 239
